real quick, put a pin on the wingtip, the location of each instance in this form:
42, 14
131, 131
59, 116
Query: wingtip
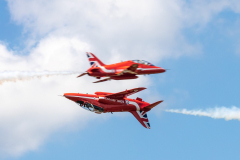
142, 88
158, 102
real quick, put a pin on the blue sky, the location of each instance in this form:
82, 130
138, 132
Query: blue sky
12, 33
204, 76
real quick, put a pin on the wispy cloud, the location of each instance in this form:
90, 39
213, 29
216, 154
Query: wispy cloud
216, 113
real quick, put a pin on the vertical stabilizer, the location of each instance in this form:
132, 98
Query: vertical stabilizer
141, 116
94, 61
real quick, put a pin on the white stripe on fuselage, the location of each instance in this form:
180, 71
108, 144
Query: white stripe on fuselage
148, 69
135, 104
107, 70
120, 70
81, 97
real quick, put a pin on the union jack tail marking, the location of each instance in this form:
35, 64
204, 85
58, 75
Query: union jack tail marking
94, 61
141, 116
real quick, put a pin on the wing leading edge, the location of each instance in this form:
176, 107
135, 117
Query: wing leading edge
121, 95
129, 70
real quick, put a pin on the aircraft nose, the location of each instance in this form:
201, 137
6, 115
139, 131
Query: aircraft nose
70, 96
67, 95
162, 70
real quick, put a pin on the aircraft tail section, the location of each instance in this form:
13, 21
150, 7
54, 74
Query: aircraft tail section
94, 61
141, 116
148, 108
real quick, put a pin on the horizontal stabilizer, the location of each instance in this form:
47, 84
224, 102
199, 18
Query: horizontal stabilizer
121, 95
82, 74
152, 105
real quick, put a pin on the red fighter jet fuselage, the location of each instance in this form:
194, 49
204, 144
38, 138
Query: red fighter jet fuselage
119, 71
104, 102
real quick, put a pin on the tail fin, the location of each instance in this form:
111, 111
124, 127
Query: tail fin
94, 61
141, 116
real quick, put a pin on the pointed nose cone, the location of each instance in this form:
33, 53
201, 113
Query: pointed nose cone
69, 96
161, 70
65, 95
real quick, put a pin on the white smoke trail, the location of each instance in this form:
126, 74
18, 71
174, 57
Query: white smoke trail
216, 113
13, 76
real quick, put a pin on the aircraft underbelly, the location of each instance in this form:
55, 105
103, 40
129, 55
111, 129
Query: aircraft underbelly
99, 74
148, 71
111, 101
119, 108
125, 76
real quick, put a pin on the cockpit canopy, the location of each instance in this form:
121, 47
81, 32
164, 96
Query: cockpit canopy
143, 62
90, 107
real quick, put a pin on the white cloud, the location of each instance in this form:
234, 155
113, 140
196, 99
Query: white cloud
30, 111
130, 29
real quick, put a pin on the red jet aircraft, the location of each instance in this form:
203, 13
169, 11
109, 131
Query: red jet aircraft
119, 71
103, 102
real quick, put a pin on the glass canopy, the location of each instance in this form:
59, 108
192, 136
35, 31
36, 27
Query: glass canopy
143, 62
